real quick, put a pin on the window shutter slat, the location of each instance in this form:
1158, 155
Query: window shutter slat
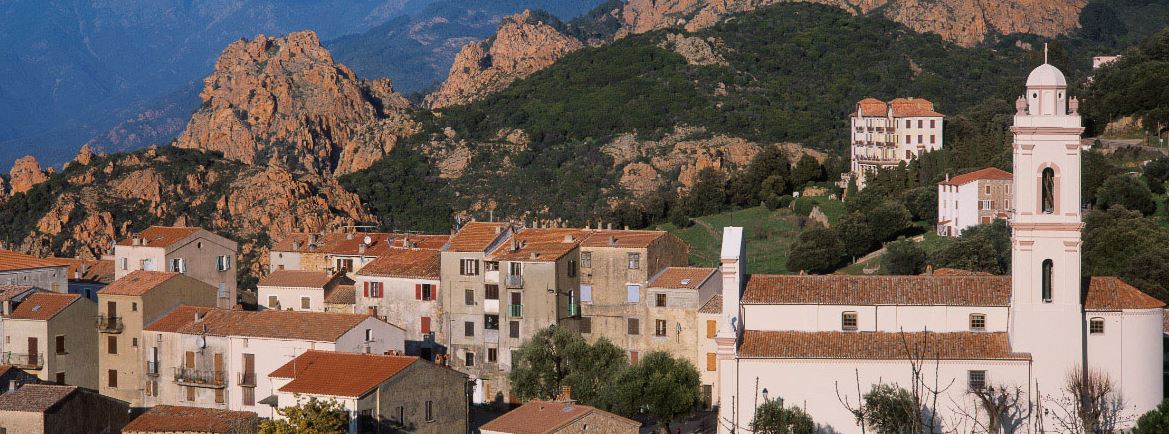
366, 289
418, 291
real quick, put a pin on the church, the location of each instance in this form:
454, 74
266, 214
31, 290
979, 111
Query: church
821, 342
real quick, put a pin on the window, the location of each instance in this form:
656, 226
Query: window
492, 355
1007, 189
112, 344
112, 378
633, 357
178, 265
249, 395
1096, 326
586, 325
345, 264
425, 291
468, 328
402, 415
134, 306
711, 328
491, 322
134, 342
984, 204
988, 189
60, 378
1047, 277
223, 263
634, 261
513, 329
933, 139
304, 302
848, 321
586, 293
491, 292
375, 290
469, 360
660, 328
908, 123
932, 123
660, 300
920, 123
633, 326
711, 362
977, 321
976, 380
633, 293
430, 411
908, 140
515, 269
919, 141
369, 335
190, 393
571, 268
60, 344
1047, 206
125, 263
469, 267
586, 259
273, 302
219, 395
469, 297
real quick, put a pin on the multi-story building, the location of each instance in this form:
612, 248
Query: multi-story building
709, 320
300, 290
24, 270
402, 287
125, 307
10, 298
347, 251
87, 276
974, 198
615, 268
220, 358
673, 298
50, 335
47, 408
192, 251
381, 393
886, 134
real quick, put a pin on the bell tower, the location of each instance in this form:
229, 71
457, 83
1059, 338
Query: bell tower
1046, 318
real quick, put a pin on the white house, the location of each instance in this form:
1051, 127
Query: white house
192, 251
23, 270
974, 198
219, 358
402, 287
886, 134
299, 290
815, 341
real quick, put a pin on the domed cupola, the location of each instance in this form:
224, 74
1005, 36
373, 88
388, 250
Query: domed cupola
1047, 91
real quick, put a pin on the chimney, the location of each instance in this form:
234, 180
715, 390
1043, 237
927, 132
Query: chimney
361, 249
929, 270
609, 226
535, 255
565, 394
198, 316
348, 235
569, 238
626, 227
312, 239
612, 240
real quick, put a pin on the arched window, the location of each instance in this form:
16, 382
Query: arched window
1048, 196
1047, 280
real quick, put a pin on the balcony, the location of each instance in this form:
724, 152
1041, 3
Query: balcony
25, 361
151, 368
246, 379
109, 324
491, 276
515, 310
514, 282
491, 306
573, 310
200, 378
877, 161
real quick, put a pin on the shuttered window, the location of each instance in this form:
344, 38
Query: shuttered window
711, 328
711, 362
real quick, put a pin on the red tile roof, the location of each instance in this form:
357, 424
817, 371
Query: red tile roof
340, 374
405, 263
989, 173
43, 305
96, 270
539, 245
350, 244
13, 261
1111, 293
299, 279
713, 305
173, 418
341, 294
958, 272
871, 107
476, 236
35, 398
913, 107
681, 277
8, 292
878, 290
877, 345
621, 238
137, 283
541, 417
160, 236
273, 324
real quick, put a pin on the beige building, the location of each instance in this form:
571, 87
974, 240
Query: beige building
382, 393
24, 270
348, 251
45, 408
974, 198
884, 135
10, 297
194, 252
299, 290
559, 417
50, 335
402, 287
173, 419
125, 307
708, 321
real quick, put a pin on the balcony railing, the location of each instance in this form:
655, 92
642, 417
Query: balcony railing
247, 379
515, 310
200, 377
25, 361
573, 310
514, 281
109, 324
152, 368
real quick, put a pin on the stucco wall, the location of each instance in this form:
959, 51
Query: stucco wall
289, 298
888, 318
54, 279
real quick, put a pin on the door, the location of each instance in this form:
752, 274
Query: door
111, 311
218, 373
32, 351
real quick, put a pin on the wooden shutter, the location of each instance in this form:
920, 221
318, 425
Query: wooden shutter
418, 291
190, 393
711, 362
711, 328
366, 285
189, 360
113, 378
425, 325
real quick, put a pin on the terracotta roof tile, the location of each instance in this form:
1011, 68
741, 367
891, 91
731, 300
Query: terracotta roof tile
539, 245
944, 272
913, 107
173, 419
344, 244
1111, 293
137, 283
406, 263
871, 107
299, 279
989, 173
621, 238
8, 292
273, 324
35, 398
713, 305
541, 417
877, 345
681, 277
43, 305
476, 236
161, 236
12, 261
342, 294
339, 374
878, 290
96, 270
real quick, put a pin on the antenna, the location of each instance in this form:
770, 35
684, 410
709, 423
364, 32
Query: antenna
1045, 53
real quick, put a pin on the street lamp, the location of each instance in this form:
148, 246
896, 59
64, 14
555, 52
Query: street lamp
764, 394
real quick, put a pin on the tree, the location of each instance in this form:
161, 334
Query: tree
594, 378
817, 250
807, 170
1156, 421
557, 357
888, 219
1123, 243
922, 203
983, 248
1156, 173
314, 416
854, 233
770, 161
903, 257
1090, 404
1127, 191
708, 196
1006, 408
662, 387
1095, 169
890, 409
773, 418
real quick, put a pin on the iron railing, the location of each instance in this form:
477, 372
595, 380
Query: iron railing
515, 310
514, 281
200, 377
25, 360
109, 324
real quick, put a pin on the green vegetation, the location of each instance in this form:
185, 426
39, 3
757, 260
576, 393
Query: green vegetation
773, 418
1136, 85
983, 248
890, 409
903, 257
1123, 243
1156, 421
312, 416
661, 387
404, 192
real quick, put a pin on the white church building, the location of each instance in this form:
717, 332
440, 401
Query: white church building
818, 342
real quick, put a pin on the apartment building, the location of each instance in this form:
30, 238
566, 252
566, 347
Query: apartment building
349, 251
125, 307
974, 198
382, 393
192, 251
50, 335
86, 276
10, 297
47, 408
299, 290
219, 358
887, 134
402, 287
24, 270
615, 267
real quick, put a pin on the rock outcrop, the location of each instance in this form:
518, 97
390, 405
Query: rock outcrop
523, 45
284, 102
25, 174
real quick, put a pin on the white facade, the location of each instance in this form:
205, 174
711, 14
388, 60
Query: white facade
410, 303
194, 252
886, 134
298, 298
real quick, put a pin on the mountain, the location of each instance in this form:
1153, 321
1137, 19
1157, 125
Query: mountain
74, 68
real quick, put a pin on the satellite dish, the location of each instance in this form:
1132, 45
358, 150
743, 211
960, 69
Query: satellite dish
367, 240
201, 341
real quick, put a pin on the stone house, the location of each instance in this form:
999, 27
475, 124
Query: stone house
559, 417
169, 419
674, 297
45, 408
974, 198
87, 276
24, 270
191, 251
348, 251
403, 287
50, 335
380, 393
298, 290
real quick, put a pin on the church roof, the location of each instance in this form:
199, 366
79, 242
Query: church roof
1046, 75
878, 345
878, 290
1111, 293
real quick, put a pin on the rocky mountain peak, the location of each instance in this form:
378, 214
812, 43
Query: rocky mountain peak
25, 174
